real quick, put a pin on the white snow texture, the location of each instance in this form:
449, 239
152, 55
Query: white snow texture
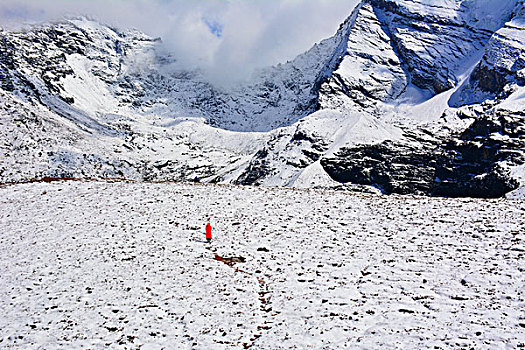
125, 266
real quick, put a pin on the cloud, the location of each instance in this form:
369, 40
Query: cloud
226, 38
215, 26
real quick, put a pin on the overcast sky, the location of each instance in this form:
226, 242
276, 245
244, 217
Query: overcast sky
225, 37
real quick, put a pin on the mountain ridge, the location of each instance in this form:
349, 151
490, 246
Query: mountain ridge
80, 99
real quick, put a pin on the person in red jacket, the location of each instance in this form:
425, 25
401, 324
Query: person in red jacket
208, 232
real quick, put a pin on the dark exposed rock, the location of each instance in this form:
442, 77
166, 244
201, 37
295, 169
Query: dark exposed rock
390, 166
468, 165
301, 135
473, 167
490, 79
257, 169
502, 65
6, 64
406, 311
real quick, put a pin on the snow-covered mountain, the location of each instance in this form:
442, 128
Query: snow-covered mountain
407, 97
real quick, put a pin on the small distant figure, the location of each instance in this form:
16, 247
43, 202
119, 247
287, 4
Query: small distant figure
208, 232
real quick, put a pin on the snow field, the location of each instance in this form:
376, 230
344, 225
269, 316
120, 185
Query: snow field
124, 266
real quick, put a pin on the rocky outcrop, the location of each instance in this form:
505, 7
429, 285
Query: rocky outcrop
257, 170
431, 47
502, 66
478, 160
391, 167
6, 64
471, 164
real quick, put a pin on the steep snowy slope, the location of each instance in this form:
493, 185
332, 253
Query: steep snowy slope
411, 86
74, 105
397, 43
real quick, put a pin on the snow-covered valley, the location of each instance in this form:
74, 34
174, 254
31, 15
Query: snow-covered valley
408, 97
125, 266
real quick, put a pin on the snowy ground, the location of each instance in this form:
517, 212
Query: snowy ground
123, 266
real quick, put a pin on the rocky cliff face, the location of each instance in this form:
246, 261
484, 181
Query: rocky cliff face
474, 163
396, 43
502, 66
406, 97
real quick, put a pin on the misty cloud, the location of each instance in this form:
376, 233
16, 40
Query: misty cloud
226, 38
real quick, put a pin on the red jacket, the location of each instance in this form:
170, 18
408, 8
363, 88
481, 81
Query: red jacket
208, 230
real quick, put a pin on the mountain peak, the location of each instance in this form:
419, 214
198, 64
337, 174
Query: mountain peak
404, 98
